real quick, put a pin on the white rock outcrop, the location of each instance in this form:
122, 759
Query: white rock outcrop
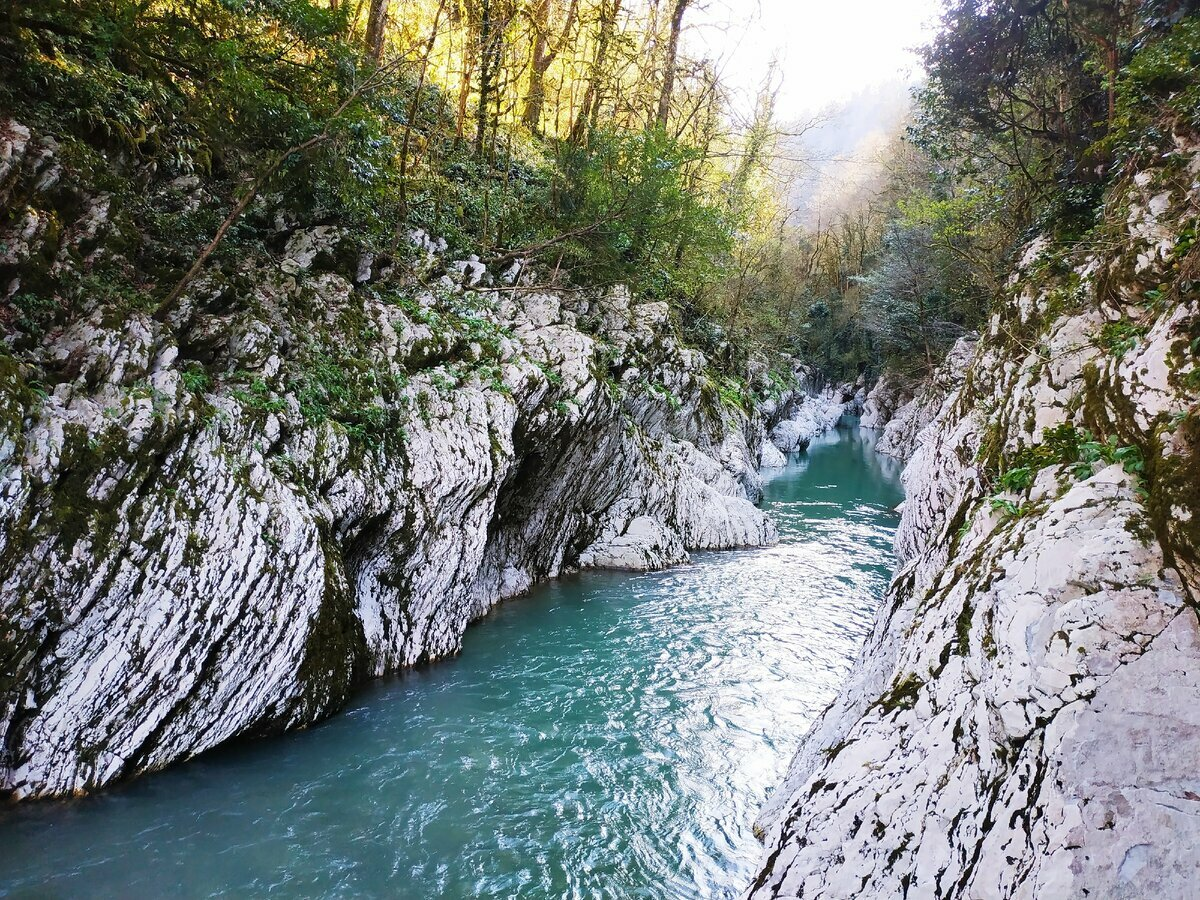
1022, 722
189, 555
902, 430
770, 456
885, 398
810, 416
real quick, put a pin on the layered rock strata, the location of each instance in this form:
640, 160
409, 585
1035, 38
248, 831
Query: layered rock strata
1022, 721
216, 520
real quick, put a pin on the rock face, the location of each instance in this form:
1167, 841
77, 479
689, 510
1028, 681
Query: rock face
218, 522
808, 417
890, 393
793, 417
179, 568
902, 427
1023, 720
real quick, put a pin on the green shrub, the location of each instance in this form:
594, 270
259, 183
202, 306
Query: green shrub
1005, 506
1074, 447
195, 379
1118, 338
1017, 479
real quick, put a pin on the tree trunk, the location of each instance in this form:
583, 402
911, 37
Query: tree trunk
544, 54
464, 93
1112, 59
668, 85
377, 16
485, 75
415, 109
591, 97
460, 14
491, 55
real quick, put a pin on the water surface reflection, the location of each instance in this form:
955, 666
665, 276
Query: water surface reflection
607, 736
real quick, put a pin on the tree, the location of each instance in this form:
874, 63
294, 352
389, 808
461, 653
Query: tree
1103, 23
545, 50
414, 111
377, 21
488, 41
668, 85
586, 114
914, 296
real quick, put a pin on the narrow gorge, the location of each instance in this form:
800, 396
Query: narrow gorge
1020, 722
532, 763
541, 449
256, 559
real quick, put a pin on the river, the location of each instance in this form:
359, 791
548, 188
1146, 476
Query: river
609, 735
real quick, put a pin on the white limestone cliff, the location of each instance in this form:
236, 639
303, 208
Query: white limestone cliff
1022, 722
219, 521
179, 569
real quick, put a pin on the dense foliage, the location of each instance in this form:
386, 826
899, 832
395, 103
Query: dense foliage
1028, 109
555, 131
571, 133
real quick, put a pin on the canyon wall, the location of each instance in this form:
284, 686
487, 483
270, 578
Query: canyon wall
217, 519
1022, 721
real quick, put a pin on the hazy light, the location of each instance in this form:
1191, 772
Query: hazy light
827, 50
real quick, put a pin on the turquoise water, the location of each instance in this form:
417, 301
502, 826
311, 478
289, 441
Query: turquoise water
606, 736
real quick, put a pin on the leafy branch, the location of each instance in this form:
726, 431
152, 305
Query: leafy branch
379, 78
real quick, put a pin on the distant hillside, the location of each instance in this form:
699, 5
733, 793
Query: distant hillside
840, 155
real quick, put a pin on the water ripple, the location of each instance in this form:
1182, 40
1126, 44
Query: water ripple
608, 736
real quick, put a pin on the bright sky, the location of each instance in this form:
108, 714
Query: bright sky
827, 49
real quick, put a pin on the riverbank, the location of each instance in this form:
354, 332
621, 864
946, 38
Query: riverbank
219, 522
1022, 720
589, 733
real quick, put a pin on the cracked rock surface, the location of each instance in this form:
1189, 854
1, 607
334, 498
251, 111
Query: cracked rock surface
177, 570
1022, 722
218, 522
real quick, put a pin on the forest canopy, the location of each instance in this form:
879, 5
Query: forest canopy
499, 125
579, 134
